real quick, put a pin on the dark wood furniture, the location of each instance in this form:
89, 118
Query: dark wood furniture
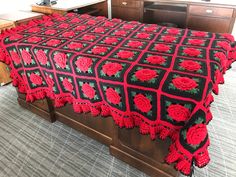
96, 7
127, 9
196, 15
126, 144
4, 70
211, 18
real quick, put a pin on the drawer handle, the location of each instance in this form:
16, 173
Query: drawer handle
124, 3
209, 11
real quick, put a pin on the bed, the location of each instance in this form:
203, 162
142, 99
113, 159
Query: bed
134, 78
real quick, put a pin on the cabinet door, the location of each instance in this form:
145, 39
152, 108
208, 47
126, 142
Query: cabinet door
218, 25
126, 13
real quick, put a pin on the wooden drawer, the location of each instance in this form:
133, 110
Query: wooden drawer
217, 25
126, 3
211, 11
126, 14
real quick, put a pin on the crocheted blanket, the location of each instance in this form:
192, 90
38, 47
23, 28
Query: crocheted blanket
157, 78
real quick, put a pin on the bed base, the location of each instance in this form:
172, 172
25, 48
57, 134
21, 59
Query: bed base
126, 144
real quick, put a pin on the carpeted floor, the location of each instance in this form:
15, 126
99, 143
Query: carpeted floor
32, 147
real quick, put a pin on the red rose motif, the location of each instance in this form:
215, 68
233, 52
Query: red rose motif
84, 63
68, 34
127, 26
15, 57
88, 91
150, 29
134, 22
70, 14
49, 81
34, 39
100, 17
125, 54
61, 18
192, 52
49, 23
143, 35
145, 74
135, 44
60, 59
75, 20
80, 28
142, 103
111, 69
67, 85
34, 30
91, 22
190, 65
99, 30
15, 37
156, 60
111, 40
36, 79
168, 38
56, 15
53, 42
223, 59
99, 50
26, 57
199, 33
120, 33
50, 32
109, 24
89, 37
116, 20
195, 41
228, 36
196, 134
41, 56
75, 45
224, 45
64, 25
173, 31
112, 96
84, 16
184, 83
162, 47
220, 55
178, 112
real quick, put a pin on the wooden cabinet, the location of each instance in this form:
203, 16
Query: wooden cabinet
4, 70
210, 18
127, 9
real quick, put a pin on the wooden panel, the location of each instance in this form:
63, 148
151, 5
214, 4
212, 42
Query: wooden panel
127, 3
126, 13
99, 127
211, 11
159, 16
4, 74
4, 24
46, 10
141, 152
209, 24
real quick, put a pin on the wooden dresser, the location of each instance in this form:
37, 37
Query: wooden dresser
197, 15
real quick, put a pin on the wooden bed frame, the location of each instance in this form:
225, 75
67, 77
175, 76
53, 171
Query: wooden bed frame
125, 144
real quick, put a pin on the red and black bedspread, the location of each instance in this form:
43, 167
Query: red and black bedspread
160, 79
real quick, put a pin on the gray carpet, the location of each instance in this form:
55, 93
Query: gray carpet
32, 147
